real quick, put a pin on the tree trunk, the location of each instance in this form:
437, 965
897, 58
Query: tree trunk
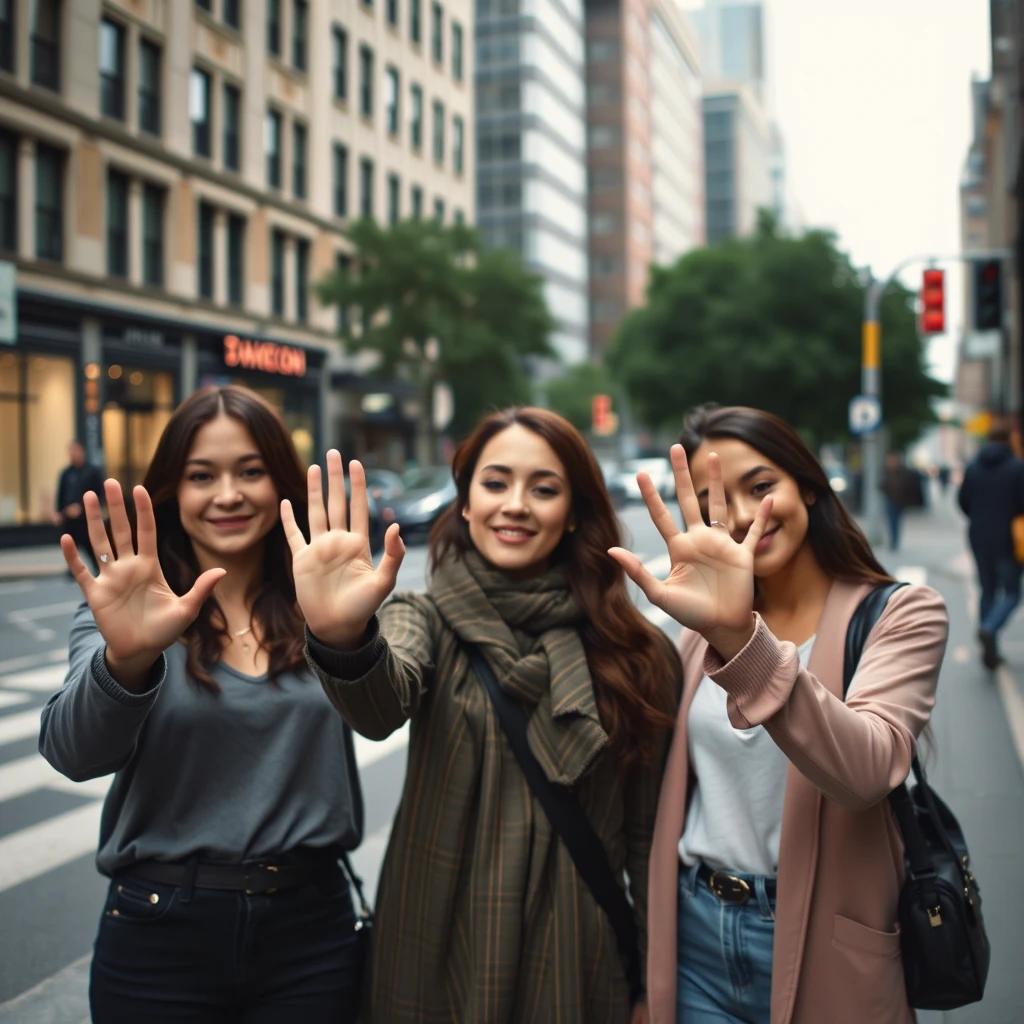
426, 438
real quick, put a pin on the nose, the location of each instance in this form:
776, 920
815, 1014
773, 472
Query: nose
227, 491
515, 501
742, 511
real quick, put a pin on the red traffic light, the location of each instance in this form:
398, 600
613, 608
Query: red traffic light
933, 302
600, 412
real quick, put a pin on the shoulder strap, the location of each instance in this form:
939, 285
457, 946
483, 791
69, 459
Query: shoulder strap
569, 821
868, 612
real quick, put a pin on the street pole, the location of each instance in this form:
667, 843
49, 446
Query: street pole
871, 385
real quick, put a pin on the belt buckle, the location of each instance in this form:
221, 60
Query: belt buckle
271, 868
729, 888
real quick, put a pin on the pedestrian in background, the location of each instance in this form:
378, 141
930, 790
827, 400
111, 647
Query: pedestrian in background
991, 496
902, 489
482, 915
75, 479
234, 786
776, 863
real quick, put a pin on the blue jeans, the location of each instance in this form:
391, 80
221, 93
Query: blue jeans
725, 954
999, 579
222, 956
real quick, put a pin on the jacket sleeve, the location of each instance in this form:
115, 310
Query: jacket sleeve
856, 752
963, 495
379, 686
91, 726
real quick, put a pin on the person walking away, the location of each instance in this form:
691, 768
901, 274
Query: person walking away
234, 789
901, 487
775, 865
75, 479
991, 496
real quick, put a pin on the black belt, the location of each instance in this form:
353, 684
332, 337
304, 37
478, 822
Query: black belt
263, 876
731, 888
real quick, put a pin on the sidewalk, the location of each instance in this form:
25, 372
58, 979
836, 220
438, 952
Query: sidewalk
31, 562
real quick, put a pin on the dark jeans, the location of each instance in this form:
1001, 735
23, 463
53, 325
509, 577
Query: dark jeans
999, 579
221, 956
894, 517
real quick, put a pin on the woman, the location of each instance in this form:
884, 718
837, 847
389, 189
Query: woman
234, 792
776, 865
481, 914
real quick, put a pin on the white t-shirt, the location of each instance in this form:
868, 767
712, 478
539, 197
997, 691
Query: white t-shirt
735, 815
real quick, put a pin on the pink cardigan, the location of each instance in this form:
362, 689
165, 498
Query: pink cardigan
836, 953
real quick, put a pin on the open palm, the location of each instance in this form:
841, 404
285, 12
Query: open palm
336, 584
136, 612
710, 585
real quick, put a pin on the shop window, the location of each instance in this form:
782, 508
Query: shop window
416, 118
339, 62
394, 198
457, 51
302, 280
7, 35
438, 132
117, 224
366, 187
366, 81
273, 148
277, 272
299, 160
137, 404
199, 111
297, 407
232, 114
437, 32
112, 69
154, 201
204, 247
44, 44
236, 259
340, 180
274, 27
300, 23
8, 192
149, 87
37, 420
49, 203
392, 85
416, 203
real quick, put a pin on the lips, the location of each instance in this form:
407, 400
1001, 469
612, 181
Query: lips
764, 543
231, 522
513, 534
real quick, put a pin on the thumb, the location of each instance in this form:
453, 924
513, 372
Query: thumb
201, 590
634, 569
394, 552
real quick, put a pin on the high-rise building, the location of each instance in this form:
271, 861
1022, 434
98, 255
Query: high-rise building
531, 149
174, 178
733, 42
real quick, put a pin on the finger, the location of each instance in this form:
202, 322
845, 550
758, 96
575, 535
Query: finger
394, 552
201, 590
98, 538
717, 509
145, 521
759, 525
660, 515
359, 512
292, 533
634, 569
688, 503
120, 528
335, 492
78, 569
315, 500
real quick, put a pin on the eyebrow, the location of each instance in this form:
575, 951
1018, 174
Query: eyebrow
750, 474
494, 468
210, 462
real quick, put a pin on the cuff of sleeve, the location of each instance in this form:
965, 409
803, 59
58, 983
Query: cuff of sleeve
113, 689
348, 664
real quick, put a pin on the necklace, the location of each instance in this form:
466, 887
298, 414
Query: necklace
242, 632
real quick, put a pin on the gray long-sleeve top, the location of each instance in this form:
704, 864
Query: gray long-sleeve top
257, 770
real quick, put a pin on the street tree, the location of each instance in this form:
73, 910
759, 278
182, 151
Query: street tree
771, 321
436, 307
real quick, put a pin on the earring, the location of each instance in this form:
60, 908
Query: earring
571, 529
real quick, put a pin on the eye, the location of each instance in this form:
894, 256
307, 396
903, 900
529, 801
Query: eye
493, 485
762, 487
253, 472
545, 491
198, 477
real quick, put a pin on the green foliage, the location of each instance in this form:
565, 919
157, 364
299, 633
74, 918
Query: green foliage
571, 393
770, 321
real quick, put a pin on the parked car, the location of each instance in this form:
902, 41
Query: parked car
658, 468
384, 484
613, 482
426, 492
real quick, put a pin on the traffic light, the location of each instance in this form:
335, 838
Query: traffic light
933, 302
600, 413
988, 295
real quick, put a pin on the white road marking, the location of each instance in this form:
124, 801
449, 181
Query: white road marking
961, 654
19, 726
1013, 703
32, 660
43, 611
34, 772
47, 679
8, 700
33, 851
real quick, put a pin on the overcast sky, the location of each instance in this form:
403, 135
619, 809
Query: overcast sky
873, 100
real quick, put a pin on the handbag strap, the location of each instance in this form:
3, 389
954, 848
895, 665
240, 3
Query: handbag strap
569, 822
365, 913
356, 789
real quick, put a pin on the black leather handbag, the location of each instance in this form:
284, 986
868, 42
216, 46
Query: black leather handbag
942, 934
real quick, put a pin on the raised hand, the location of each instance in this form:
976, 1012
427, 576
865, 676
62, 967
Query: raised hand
710, 587
136, 612
336, 584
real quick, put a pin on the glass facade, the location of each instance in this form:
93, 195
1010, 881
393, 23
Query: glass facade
137, 403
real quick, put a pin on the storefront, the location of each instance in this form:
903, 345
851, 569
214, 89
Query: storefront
377, 419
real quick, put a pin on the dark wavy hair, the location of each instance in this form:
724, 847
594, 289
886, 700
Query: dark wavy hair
632, 664
840, 547
274, 605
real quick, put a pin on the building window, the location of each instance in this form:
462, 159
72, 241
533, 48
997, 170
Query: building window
300, 24
199, 111
416, 21
391, 12
439, 210
366, 187
437, 32
438, 132
392, 85
7, 35
277, 272
149, 87
206, 5
49, 203
204, 247
117, 224
365, 81
299, 160
302, 280
457, 51
458, 143
44, 43
416, 118
153, 202
112, 69
236, 259
232, 115
340, 180
394, 199
233, 14
339, 40
416, 206
8, 192
274, 27
459, 217
273, 148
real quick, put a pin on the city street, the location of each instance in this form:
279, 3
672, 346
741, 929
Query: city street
50, 893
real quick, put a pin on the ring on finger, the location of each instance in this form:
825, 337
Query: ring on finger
718, 522
104, 558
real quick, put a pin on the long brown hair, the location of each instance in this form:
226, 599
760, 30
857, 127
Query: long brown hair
632, 664
838, 544
273, 604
